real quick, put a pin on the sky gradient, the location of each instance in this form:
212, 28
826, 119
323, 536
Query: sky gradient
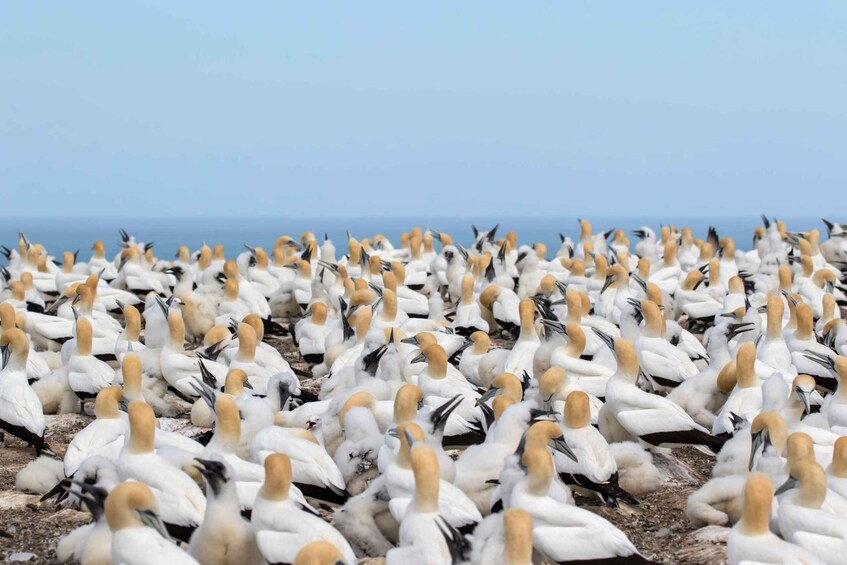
442, 108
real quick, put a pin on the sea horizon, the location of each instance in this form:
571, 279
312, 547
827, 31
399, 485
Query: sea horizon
71, 233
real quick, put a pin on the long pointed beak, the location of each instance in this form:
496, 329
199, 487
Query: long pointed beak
757, 443
284, 394
737, 329
207, 396
555, 326
409, 437
208, 378
162, 306
805, 398
152, 520
442, 413
537, 415
201, 464
607, 283
829, 226
562, 447
822, 360
606, 338
490, 393
789, 484
61, 300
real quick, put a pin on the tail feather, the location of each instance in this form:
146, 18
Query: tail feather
685, 437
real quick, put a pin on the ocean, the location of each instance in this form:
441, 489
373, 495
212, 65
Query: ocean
74, 233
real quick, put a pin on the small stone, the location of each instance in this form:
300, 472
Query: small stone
712, 534
22, 557
663, 533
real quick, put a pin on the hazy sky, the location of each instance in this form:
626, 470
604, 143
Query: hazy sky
453, 108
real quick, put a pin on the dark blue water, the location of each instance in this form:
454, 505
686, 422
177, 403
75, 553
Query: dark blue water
70, 234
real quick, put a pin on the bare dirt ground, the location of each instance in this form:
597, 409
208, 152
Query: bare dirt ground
29, 529
658, 526
28, 526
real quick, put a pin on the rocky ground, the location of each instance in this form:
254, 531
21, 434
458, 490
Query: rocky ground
29, 529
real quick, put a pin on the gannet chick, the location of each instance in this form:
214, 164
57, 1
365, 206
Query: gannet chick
224, 536
39, 475
637, 474
366, 522
90, 544
356, 456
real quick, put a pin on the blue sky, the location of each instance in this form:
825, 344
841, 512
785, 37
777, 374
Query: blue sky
450, 108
